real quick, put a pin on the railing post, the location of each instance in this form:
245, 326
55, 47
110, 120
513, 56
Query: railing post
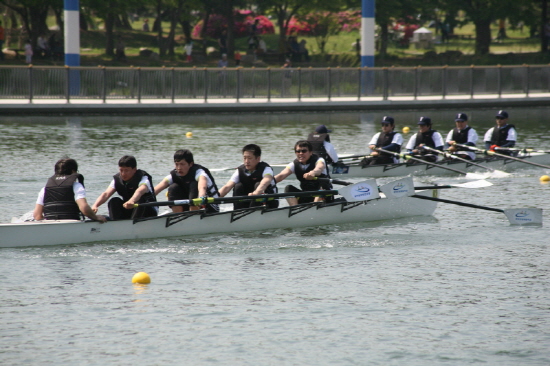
205, 85
253, 81
527, 76
173, 72
31, 91
415, 82
444, 82
471, 81
329, 74
386, 92
238, 83
194, 81
499, 81
269, 84
68, 83
139, 84
104, 73
299, 84
358, 83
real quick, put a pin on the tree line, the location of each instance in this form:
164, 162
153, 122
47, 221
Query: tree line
31, 16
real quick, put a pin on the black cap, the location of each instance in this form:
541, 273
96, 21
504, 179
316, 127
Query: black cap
461, 117
425, 121
322, 129
388, 119
502, 114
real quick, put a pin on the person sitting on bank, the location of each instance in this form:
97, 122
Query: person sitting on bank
389, 140
253, 177
320, 140
306, 166
462, 134
425, 137
502, 135
134, 186
189, 181
64, 196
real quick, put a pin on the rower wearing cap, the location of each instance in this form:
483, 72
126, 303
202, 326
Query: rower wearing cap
425, 137
320, 140
502, 135
389, 140
462, 134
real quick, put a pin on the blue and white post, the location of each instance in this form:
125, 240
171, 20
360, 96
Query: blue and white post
367, 45
367, 33
72, 43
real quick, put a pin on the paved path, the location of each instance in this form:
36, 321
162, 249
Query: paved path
160, 106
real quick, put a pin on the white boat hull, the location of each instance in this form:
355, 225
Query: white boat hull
196, 223
418, 169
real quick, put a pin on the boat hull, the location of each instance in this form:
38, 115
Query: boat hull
419, 169
197, 223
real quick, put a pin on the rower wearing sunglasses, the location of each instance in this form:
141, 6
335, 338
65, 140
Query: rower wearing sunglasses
306, 166
502, 135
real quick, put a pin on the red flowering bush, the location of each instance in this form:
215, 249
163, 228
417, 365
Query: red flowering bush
243, 22
345, 21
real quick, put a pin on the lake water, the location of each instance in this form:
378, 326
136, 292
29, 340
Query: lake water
462, 287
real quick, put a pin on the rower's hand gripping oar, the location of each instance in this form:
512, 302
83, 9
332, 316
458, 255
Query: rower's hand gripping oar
496, 173
409, 157
489, 152
362, 191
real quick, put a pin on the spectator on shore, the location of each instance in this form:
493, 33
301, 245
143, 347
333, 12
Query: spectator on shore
222, 42
28, 52
145, 26
223, 61
262, 47
304, 54
120, 55
2, 39
188, 48
237, 58
42, 46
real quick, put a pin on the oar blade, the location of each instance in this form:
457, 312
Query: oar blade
399, 188
478, 176
474, 184
524, 216
362, 191
498, 174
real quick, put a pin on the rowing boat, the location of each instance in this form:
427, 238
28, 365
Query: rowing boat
382, 206
355, 170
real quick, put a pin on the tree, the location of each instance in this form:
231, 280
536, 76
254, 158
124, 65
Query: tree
33, 14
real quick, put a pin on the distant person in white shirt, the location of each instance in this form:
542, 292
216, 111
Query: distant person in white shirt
425, 137
389, 140
462, 134
502, 135
320, 140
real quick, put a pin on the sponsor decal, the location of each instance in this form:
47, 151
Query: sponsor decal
95, 230
522, 216
400, 188
362, 191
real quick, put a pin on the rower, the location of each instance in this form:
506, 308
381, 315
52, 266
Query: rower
253, 177
501, 135
134, 186
64, 196
462, 134
320, 140
188, 181
389, 140
306, 166
425, 136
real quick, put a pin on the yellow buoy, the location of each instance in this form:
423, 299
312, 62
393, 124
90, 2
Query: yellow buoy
142, 278
406, 129
189, 134
545, 178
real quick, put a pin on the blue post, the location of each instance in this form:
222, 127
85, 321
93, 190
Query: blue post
72, 43
367, 33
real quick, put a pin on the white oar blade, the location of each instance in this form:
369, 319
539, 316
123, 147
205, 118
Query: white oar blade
362, 191
498, 174
399, 188
474, 184
524, 216
477, 175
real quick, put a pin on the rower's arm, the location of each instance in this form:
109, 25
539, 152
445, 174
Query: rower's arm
264, 183
203, 186
87, 210
317, 171
142, 189
103, 198
227, 188
38, 212
161, 186
283, 175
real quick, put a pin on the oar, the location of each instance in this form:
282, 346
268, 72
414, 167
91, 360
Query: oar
473, 184
524, 150
489, 152
407, 157
361, 191
519, 216
496, 173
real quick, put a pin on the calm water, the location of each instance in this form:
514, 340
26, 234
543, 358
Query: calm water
462, 287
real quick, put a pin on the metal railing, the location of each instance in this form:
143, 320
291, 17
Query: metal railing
53, 82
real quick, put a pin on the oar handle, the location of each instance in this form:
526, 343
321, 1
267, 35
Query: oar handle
489, 152
335, 181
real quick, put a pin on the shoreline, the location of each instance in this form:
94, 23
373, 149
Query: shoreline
24, 107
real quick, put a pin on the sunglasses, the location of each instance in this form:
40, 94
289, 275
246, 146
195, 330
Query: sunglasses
303, 151
501, 118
